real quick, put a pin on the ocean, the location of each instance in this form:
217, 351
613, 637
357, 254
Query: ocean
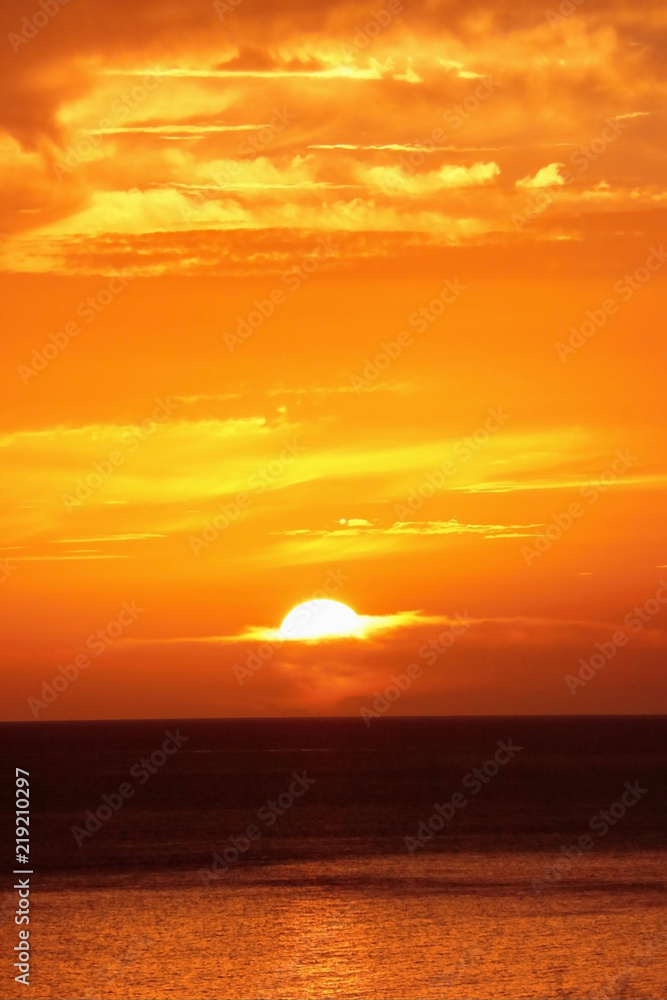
424, 858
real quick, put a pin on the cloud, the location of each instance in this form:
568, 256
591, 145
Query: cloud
457, 657
368, 628
173, 130
69, 557
367, 105
545, 177
371, 628
512, 486
175, 462
396, 181
451, 527
133, 536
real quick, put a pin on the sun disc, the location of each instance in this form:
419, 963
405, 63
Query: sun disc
320, 618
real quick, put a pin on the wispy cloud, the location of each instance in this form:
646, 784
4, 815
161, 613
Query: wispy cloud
369, 628
134, 536
451, 527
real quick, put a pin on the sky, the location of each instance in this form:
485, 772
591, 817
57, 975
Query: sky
310, 301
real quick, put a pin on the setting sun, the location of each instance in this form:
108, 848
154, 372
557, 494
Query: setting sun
320, 619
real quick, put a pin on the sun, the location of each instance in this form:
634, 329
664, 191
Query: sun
319, 619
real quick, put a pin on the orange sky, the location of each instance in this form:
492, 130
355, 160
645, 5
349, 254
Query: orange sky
477, 188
